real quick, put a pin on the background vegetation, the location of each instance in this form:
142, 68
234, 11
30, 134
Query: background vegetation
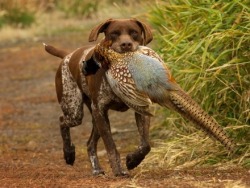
32, 20
205, 44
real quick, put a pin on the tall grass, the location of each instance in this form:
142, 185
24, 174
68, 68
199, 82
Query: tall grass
206, 44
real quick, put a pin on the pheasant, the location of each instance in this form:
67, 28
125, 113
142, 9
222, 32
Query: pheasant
141, 78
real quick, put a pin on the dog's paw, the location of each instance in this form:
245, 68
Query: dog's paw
69, 155
133, 161
98, 172
122, 174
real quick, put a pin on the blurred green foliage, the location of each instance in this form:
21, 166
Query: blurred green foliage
78, 8
18, 18
23, 14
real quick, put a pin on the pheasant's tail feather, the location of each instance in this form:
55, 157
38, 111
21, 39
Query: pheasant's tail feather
188, 108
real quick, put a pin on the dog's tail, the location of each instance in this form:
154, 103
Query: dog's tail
54, 51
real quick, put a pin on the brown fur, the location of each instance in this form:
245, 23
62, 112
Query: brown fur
74, 89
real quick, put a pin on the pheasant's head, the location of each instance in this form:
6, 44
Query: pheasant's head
104, 54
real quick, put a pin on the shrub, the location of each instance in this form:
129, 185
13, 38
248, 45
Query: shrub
18, 18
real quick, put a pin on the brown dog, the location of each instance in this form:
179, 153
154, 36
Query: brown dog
79, 80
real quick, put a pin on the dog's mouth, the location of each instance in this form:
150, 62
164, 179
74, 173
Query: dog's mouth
129, 50
121, 47
124, 50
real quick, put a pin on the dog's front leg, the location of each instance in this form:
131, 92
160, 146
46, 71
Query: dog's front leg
135, 158
103, 126
92, 151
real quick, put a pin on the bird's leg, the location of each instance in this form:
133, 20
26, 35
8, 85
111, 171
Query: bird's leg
135, 158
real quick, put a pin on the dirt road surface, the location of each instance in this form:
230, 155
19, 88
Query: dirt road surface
30, 141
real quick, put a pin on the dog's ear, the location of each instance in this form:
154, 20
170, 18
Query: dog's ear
98, 29
147, 32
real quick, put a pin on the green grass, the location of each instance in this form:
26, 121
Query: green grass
206, 45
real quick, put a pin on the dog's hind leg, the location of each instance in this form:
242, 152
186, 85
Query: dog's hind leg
135, 158
66, 121
72, 106
68, 146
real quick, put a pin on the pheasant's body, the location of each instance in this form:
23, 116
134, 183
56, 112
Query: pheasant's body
140, 78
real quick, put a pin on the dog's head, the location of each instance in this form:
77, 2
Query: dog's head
125, 34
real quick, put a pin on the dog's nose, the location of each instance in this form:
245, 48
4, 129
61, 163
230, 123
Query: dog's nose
126, 46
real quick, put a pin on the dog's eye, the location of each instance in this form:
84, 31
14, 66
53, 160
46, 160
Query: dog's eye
114, 35
134, 34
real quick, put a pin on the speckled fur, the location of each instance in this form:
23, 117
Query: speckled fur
72, 106
71, 103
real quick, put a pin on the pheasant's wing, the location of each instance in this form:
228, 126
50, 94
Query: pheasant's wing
127, 91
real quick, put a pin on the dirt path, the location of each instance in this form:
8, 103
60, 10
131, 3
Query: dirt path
30, 142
